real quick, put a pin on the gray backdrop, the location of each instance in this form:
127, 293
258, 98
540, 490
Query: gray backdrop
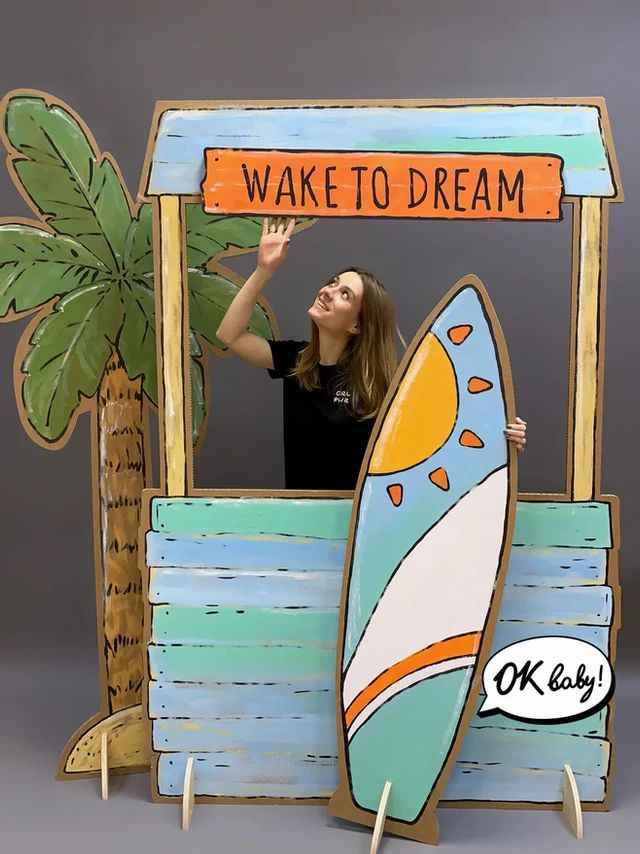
111, 61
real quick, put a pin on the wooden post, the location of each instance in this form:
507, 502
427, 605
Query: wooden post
174, 378
586, 368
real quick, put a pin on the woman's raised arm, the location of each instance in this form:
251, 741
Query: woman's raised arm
272, 252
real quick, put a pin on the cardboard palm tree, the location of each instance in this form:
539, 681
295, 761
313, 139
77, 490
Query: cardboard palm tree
85, 268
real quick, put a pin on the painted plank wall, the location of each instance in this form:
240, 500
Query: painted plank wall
245, 596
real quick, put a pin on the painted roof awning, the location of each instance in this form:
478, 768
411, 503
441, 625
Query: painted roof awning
577, 130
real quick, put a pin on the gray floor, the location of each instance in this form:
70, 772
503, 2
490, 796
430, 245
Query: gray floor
44, 700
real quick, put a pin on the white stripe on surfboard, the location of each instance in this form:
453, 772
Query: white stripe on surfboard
406, 682
443, 587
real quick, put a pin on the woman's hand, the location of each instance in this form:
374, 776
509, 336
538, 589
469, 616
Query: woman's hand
517, 433
274, 243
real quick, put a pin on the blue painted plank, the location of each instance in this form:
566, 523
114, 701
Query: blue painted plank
266, 589
548, 566
225, 700
212, 589
556, 567
279, 125
314, 734
244, 776
508, 633
516, 785
202, 587
292, 777
267, 551
565, 605
592, 725
472, 783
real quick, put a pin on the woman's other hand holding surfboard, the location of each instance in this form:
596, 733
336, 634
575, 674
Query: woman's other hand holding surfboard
517, 433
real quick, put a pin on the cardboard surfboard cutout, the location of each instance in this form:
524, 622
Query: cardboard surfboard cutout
427, 554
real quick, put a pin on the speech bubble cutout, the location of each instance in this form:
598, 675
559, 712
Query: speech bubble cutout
547, 679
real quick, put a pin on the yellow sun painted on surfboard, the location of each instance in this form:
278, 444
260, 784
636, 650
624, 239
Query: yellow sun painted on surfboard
429, 385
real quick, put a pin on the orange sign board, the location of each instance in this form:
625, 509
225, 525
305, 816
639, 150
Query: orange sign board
383, 184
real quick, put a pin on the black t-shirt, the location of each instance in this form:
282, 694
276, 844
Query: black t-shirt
324, 442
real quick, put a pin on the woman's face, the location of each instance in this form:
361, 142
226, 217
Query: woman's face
336, 308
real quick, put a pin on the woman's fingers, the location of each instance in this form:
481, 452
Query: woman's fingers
516, 433
278, 225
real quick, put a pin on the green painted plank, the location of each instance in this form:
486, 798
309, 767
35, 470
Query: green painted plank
583, 524
585, 150
240, 663
266, 626
538, 523
325, 518
186, 624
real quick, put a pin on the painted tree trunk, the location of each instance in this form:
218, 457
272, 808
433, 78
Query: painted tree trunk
122, 477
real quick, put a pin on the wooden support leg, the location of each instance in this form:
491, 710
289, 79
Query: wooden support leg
188, 794
378, 828
571, 806
129, 752
104, 765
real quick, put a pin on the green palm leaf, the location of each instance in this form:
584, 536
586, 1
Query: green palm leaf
69, 351
75, 189
198, 394
36, 266
210, 295
208, 235
138, 255
137, 341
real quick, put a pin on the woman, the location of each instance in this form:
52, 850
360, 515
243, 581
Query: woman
335, 383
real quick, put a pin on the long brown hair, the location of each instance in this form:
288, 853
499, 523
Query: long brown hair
369, 360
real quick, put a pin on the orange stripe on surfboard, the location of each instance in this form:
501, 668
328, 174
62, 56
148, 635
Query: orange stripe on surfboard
455, 647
